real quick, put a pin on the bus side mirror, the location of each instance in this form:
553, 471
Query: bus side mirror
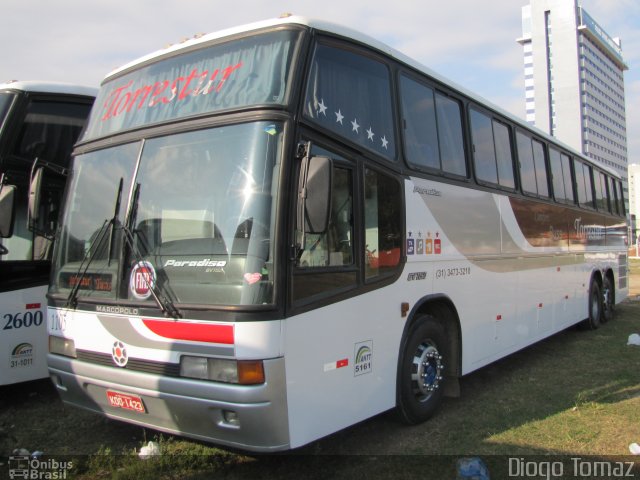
318, 200
7, 210
35, 188
314, 198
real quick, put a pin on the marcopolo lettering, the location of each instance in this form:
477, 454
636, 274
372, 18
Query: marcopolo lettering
117, 310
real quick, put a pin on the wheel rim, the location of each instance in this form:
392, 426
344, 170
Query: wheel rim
595, 307
426, 376
607, 299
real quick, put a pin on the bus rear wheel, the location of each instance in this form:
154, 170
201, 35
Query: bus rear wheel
595, 306
422, 367
608, 299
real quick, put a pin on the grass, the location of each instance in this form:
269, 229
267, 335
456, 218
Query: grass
574, 394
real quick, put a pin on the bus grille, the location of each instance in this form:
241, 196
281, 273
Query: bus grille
137, 365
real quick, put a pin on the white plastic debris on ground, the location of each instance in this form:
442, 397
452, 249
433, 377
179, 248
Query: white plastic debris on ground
634, 339
149, 450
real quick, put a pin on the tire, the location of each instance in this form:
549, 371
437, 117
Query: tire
421, 370
608, 299
595, 306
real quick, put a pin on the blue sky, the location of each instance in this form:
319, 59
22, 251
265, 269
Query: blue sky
471, 42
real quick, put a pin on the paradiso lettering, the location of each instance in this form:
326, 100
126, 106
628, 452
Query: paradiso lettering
124, 99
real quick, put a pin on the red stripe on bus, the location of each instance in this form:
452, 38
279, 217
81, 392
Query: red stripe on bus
31, 306
195, 332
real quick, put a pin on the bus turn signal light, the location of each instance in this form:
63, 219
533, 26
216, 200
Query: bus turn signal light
250, 372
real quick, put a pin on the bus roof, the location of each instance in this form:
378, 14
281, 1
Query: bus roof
285, 19
49, 87
340, 30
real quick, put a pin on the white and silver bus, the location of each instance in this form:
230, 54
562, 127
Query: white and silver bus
276, 231
39, 123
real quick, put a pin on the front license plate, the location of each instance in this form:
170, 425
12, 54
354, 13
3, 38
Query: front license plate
126, 401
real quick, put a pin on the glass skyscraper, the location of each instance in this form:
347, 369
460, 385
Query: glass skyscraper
574, 83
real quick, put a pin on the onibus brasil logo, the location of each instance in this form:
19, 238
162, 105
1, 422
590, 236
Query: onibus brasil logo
23, 466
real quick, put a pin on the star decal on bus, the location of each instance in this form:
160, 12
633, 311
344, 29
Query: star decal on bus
370, 134
322, 108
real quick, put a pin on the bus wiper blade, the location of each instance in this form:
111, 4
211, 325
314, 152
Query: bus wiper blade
114, 222
159, 294
72, 298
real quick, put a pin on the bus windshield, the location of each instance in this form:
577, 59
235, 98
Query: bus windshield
199, 224
239, 73
5, 102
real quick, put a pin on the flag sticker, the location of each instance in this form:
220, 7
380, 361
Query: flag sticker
335, 365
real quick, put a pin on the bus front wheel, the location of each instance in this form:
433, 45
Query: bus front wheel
422, 370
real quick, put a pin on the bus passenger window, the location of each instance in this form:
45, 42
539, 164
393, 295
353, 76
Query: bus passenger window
568, 180
557, 175
504, 157
527, 167
615, 197
450, 135
420, 140
541, 169
382, 223
620, 197
484, 154
432, 129
584, 184
533, 168
492, 154
602, 202
350, 95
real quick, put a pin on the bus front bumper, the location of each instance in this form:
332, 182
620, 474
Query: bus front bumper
246, 417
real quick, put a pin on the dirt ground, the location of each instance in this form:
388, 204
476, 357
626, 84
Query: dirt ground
33, 417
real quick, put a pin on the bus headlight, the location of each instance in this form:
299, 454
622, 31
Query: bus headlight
62, 346
243, 372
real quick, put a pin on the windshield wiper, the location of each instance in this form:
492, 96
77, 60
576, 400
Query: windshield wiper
114, 221
162, 299
159, 293
72, 299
